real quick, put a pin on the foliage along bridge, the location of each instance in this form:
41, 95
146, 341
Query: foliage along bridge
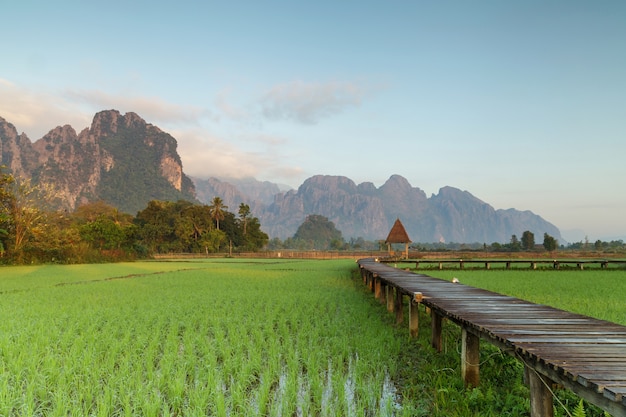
580, 353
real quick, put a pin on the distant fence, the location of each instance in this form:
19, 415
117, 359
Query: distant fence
509, 263
278, 254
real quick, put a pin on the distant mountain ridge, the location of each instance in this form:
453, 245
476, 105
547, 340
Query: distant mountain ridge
127, 162
365, 211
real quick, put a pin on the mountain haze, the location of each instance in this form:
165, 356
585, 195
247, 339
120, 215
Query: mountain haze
127, 162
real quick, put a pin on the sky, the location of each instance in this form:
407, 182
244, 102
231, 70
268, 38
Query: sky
521, 103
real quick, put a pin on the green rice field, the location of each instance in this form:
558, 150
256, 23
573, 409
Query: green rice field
598, 293
244, 337
220, 337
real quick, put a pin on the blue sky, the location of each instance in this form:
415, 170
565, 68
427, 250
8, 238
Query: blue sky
521, 103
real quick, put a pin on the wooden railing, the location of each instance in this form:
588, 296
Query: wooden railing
509, 263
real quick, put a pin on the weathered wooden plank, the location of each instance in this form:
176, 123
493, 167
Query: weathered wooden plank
584, 354
549, 338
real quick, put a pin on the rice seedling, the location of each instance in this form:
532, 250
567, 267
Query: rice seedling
242, 337
194, 338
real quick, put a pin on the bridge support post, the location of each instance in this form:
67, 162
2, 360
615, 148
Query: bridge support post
540, 396
413, 318
377, 288
435, 324
470, 358
398, 307
390, 297
382, 291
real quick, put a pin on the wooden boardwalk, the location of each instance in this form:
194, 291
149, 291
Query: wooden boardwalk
580, 353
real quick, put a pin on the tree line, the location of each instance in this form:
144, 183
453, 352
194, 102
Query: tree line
32, 230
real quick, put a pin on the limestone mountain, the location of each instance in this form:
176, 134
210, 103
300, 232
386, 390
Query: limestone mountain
127, 162
234, 191
120, 159
365, 211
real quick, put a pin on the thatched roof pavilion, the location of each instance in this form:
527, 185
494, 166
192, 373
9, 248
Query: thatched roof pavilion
398, 234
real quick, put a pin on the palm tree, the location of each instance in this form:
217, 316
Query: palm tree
244, 212
216, 210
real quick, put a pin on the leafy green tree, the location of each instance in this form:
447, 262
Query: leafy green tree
192, 223
549, 243
212, 240
57, 241
3, 236
318, 230
496, 247
275, 244
528, 240
217, 209
255, 238
515, 244
97, 209
24, 212
244, 213
103, 233
156, 224
6, 201
230, 225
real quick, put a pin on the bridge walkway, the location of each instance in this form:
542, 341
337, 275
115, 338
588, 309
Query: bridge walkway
580, 353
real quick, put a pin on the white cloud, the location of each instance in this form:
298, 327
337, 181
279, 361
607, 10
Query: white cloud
37, 112
205, 155
153, 109
203, 152
309, 102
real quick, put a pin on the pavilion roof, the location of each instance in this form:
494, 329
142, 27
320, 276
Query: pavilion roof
398, 234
